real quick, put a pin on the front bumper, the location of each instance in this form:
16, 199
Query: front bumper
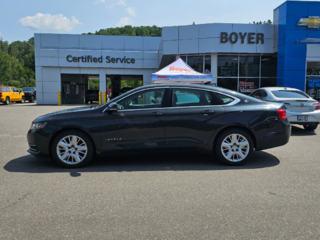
313, 117
39, 143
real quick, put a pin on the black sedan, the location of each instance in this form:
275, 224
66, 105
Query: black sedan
162, 119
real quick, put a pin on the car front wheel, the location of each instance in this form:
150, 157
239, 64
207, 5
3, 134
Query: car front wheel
234, 147
72, 149
23, 100
310, 127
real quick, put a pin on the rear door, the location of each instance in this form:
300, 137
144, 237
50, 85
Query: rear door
192, 118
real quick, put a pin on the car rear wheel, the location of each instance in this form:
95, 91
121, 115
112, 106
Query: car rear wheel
310, 127
72, 149
234, 147
32, 99
7, 101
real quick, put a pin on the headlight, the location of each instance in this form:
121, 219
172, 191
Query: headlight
37, 126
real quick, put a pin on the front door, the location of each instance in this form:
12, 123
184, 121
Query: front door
137, 126
192, 118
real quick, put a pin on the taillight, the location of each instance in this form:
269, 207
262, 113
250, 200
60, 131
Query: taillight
317, 104
0, 94
282, 113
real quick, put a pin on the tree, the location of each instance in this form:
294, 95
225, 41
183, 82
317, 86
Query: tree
128, 30
17, 66
264, 22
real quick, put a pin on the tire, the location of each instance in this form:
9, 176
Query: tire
228, 150
310, 127
7, 101
32, 99
66, 156
23, 100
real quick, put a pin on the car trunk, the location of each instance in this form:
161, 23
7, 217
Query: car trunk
299, 105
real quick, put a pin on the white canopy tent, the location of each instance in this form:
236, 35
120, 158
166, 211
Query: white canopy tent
180, 72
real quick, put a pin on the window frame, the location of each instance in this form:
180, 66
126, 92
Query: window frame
210, 93
142, 109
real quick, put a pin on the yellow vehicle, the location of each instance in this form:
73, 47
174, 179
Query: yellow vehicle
11, 94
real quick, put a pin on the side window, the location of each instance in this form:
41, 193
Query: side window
190, 97
254, 93
142, 100
14, 90
225, 99
263, 93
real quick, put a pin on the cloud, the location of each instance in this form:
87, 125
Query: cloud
0, 34
48, 22
132, 11
112, 3
124, 21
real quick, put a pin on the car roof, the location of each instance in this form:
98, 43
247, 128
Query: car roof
280, 88
204, 87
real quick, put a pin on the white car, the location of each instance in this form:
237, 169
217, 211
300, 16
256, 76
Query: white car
301, 108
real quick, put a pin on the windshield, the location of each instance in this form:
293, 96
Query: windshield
27, 89
289, 94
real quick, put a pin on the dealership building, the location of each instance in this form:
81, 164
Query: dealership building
241, 57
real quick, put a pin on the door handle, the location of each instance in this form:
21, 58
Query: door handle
207, 111
156, 113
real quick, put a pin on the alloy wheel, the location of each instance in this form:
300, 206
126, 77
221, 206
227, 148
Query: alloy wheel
235, 148
72, 149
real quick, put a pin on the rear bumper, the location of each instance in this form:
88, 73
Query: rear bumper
277, 138
313, 117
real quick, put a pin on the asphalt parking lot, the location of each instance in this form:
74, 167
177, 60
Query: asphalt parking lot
274, 196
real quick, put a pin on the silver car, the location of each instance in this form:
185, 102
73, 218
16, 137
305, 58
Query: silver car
300, 107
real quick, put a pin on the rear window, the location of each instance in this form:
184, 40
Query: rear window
225, 99
289, 94
4, 89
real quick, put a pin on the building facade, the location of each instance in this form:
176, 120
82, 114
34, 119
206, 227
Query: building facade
241, 57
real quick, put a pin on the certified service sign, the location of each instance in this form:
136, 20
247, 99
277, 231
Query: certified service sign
311, 22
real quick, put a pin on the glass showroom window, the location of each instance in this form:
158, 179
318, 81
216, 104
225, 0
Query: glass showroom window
313, 80
250, 72
249, 66
227, 66
229, 83
200, 63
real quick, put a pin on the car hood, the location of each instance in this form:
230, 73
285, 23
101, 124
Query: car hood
28, 91
49, 116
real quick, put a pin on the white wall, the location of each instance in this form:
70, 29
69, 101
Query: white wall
51, 51
205, 38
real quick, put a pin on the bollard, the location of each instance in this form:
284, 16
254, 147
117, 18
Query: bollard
99, 98
105, 97
59, 98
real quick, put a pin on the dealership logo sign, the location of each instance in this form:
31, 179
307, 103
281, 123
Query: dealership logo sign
90, 59
252, 38
311, 22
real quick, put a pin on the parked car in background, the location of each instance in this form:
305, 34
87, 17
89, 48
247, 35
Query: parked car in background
301, 108
162, 119
11, 94
30, 93
92, 95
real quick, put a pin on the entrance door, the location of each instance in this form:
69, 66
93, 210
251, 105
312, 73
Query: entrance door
137, 126
192, 119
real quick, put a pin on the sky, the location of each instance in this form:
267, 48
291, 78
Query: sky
20, 19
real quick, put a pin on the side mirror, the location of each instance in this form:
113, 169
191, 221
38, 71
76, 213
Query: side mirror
113, 107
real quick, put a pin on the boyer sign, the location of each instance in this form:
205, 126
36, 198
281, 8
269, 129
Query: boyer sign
246, 37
